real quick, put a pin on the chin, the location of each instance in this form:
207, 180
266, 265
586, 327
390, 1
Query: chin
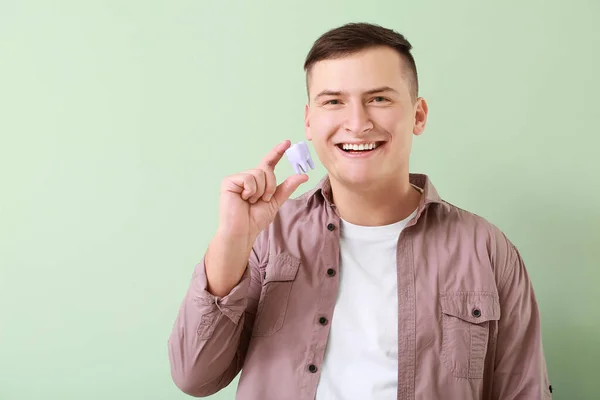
359, 180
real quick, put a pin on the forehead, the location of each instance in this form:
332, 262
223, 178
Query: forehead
360, 72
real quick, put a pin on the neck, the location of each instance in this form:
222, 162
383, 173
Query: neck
375, 206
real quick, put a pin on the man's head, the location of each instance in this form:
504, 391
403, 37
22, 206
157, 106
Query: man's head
363, 89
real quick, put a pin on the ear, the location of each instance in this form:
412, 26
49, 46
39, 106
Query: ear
421, 111
307, 122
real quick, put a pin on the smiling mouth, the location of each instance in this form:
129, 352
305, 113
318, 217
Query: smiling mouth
359, 147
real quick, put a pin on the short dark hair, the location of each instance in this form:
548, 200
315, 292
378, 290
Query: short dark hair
357, 36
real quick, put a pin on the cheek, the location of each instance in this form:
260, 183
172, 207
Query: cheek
391, 120
323, 125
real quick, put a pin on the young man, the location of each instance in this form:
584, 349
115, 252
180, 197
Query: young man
369, 286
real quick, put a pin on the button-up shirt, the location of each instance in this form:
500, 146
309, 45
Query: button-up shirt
468, 322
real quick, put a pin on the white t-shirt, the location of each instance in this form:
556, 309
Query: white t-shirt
361, 359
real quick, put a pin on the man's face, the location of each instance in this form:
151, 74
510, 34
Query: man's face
363, 100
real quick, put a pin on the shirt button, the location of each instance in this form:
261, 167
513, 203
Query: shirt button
312, 368
331, 272
476, 313
323, 321
330, 226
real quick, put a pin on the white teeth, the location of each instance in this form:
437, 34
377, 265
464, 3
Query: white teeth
359, 147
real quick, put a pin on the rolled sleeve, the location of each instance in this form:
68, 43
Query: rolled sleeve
208, 342
210, 306
520, 371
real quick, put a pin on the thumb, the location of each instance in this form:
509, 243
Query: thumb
287, 187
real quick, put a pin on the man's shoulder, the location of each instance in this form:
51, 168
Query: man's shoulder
461, 218
476, 229
471, 229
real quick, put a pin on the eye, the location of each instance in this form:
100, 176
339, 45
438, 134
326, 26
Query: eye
379, 99
333, 102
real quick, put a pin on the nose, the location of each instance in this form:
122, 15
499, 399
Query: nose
358, 120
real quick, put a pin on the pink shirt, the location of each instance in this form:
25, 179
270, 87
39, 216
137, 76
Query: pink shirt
468, 321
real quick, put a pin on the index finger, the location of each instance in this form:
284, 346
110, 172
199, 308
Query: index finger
274, 156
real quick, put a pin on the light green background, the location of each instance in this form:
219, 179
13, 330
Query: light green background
118, 120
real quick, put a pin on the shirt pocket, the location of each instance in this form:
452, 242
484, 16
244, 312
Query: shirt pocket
466, 318
278, 277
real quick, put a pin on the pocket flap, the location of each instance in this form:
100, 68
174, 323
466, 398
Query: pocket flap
280, 268
473, 307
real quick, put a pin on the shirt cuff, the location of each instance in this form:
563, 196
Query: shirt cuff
231, 305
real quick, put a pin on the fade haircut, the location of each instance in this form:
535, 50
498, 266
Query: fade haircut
352, 38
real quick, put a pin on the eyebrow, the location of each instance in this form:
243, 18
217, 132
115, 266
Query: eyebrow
381, 89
